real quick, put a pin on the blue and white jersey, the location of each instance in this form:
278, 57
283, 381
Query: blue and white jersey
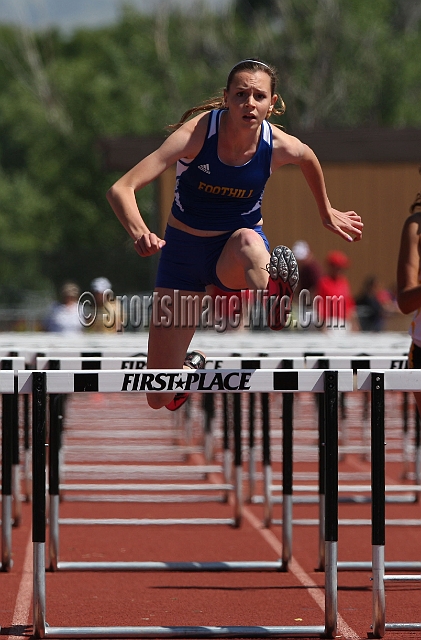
214, 196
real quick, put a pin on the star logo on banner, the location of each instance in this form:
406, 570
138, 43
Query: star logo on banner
179, 384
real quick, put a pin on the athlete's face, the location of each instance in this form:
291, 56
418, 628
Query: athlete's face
249, 97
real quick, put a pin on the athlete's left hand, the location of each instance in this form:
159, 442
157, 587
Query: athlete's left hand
148, 244
346, 224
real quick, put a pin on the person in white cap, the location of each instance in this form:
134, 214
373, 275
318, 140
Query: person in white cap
309, 267
99, 285
108, 315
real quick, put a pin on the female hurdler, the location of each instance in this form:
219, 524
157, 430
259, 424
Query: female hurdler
225, 151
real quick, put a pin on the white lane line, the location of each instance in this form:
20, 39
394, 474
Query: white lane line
24, 597
316, 593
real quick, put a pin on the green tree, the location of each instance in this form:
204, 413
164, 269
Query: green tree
341, 64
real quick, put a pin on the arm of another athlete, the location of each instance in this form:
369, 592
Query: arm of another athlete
289, 150
186, 142
408, 287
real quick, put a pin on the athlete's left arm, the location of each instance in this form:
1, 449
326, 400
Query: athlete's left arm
290, 150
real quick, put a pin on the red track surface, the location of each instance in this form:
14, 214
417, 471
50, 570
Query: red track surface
219, 599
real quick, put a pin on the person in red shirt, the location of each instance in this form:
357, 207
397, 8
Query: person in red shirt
335, 303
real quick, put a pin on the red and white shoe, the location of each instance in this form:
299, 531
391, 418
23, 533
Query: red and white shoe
283, 280
194, 360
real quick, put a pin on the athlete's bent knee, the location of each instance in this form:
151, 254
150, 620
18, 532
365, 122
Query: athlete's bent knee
248, 237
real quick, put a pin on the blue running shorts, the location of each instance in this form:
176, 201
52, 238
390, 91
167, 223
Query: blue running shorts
188, 263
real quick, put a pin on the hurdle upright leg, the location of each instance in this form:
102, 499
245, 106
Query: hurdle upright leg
208, 404
227, 456
252, 450
287, 419
417, 449
38, 499
266, 462
55, 402
6, 482
16, 488
330, 398
378, 501
238, 475
322, 480
378, 480
287, 455
27, 449
405, 435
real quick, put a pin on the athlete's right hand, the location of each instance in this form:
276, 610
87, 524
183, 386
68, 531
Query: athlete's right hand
148, 244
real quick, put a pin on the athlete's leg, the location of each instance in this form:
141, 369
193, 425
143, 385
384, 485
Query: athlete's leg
170, 335
245, 263
414, 362
242, 263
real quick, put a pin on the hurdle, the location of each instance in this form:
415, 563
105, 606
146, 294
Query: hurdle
350, 362
116, 363
383, 363
42, 383
54, 488
371, 361
377, 382
395, 360
287, 487
207, 492
7, 390
394, 370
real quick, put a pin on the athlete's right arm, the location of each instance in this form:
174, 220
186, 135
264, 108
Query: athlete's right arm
408, 286
186, 142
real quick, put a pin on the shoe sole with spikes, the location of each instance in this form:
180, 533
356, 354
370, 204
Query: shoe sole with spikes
283, 280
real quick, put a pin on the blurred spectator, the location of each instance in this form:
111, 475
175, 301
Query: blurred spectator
309, 268
108, 312
373, 305
64, 316
336, 305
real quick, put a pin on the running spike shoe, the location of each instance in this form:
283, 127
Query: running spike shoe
194, 360
283, 280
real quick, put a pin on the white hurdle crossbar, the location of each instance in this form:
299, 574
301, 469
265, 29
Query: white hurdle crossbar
226, 381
